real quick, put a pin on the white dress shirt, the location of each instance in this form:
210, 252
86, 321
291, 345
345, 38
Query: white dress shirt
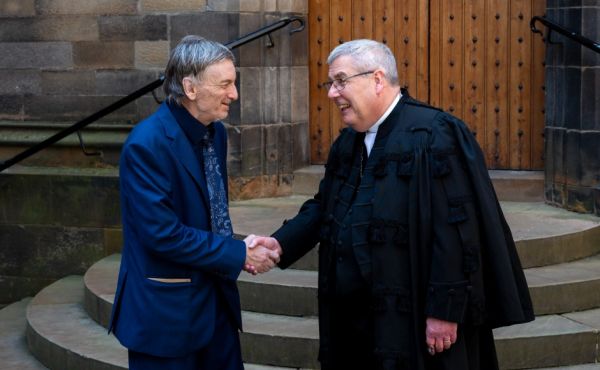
372, 132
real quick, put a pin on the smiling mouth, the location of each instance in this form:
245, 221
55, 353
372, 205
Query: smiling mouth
343, 106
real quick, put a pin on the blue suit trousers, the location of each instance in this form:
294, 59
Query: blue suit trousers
222, 353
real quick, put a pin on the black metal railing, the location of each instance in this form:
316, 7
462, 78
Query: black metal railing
144, 90
552, 26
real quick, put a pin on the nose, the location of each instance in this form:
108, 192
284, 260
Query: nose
233, 93
332, 92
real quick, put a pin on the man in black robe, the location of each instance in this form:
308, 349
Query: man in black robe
416, 261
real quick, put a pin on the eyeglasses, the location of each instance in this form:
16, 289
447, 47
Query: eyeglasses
340, 83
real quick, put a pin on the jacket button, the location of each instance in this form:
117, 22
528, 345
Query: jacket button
340, 259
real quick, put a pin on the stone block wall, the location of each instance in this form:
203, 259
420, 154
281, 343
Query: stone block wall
63, 60
573, 109
54, 222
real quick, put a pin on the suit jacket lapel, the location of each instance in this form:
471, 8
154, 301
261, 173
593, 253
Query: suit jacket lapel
183, 150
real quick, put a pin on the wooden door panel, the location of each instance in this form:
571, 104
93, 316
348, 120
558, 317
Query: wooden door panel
474, 68
405, 44
423, 70
383, 21
476, 59
451, 62
520, 85
319, 125
362, 19
340, 31
537, 93
496, 146
435, 53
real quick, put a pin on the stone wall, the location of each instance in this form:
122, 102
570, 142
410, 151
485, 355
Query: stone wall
54, 222
63, 60
573, 109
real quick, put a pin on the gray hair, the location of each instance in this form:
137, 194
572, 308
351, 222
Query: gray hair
190, 58
368, 55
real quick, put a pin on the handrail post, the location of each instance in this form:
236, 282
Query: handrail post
593, 45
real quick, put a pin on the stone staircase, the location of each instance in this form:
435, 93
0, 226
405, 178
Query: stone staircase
14, 354
65, 323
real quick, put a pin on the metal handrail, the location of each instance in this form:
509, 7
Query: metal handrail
144, 90
552, 26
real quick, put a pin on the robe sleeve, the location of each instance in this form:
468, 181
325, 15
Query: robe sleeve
455, 242
474, 267
300, 234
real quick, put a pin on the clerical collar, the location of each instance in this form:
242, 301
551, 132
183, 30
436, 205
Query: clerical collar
372, 131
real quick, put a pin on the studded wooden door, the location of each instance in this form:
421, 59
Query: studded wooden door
474, 58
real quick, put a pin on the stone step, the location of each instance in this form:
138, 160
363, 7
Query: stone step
103, 138
56, 317
551, 340
547, 235
62, 335
283, 292
573, 337
594, 366
573, 286
14, 354
568, 287
280, 340
517, 186
262, 216
544, 235
307, 179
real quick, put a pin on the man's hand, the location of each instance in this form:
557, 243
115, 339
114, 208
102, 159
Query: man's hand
439, 335
267, 242
262, 254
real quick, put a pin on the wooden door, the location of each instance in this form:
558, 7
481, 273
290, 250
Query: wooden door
476, 59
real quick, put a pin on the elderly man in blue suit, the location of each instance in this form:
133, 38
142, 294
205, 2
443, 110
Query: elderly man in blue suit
177, 304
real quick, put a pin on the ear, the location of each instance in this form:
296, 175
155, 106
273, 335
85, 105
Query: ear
380, 81
189, 88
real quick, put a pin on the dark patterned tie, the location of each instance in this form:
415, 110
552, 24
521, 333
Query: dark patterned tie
219, 213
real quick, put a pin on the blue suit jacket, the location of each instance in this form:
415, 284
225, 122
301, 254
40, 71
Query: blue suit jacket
166, 230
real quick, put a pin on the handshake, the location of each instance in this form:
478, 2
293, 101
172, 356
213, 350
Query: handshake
262, 253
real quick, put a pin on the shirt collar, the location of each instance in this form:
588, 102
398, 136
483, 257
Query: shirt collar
193, 129
371, 133
373, 129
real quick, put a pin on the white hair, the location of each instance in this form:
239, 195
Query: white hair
191, 57
368, 55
